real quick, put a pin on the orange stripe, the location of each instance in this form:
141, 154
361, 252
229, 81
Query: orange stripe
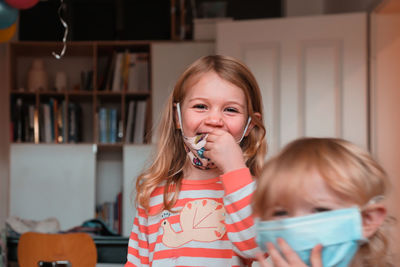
128, 264
194, 252
241, 225
238, 205
134, 252
246, 244
235, 180
210, 187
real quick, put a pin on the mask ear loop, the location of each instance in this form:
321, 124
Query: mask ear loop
178, 108
245, 130
374, 200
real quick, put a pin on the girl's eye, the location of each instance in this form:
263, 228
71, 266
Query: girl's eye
200, 106
231, 110
321, 209
279, 213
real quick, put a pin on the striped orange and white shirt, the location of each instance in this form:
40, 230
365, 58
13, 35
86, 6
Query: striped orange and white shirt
211, 225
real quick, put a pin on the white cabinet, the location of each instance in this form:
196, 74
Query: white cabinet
53, 181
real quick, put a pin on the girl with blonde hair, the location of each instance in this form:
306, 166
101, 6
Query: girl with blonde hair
322, 193
193, 202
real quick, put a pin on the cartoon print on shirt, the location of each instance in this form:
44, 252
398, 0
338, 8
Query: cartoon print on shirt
201, 220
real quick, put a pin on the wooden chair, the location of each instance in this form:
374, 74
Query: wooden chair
71, 249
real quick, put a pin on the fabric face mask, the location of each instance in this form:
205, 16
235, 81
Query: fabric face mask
194, 146
338, 231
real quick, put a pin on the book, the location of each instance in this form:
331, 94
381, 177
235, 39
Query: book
138, 72
31, 123
116, 85
130, 121
103, 125
74, 123
104, 69
113, 121
47, 123
18, 124
110, 73
36, 126
125, 70
140, 122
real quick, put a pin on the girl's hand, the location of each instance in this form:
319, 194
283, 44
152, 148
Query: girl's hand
289, 258
222, 149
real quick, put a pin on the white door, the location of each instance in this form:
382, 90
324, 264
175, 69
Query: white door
53, 181
312, 72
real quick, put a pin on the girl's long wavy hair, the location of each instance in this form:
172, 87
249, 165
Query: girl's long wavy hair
347, 170
170, 156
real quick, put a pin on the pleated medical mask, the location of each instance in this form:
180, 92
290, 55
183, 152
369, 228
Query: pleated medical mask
338, 231
194, 146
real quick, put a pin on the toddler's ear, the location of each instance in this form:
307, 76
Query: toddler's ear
373, 217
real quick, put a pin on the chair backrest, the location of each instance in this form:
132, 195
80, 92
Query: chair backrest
77, 248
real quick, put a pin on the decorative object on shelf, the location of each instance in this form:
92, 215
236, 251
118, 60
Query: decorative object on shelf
60, 81
37, 76
22, 4
8, 15
7, 33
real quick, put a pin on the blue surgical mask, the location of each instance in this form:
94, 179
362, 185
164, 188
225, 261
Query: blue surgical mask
338, 231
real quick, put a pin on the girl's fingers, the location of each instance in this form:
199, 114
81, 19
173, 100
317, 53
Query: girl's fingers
261, 260
316, 259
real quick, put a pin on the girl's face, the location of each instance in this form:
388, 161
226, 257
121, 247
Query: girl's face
212, 103
314, 196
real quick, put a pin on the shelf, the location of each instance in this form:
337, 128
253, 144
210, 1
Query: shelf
87, 65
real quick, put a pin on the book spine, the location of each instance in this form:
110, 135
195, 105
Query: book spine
113, 125
103, 125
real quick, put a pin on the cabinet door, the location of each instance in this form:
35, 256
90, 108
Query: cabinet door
135, 159
312, 72
53, 181
169, 60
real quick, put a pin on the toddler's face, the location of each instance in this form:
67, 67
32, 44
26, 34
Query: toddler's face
212, 103
314, 196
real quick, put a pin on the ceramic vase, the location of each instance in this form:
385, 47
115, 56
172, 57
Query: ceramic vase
37, 76
60, 81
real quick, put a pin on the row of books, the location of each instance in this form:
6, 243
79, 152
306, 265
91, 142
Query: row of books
111, 213
111, 128
52, 122
125, 71
136, 122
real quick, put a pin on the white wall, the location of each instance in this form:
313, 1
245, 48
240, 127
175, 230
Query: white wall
385, 96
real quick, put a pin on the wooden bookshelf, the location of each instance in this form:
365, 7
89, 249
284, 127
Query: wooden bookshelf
91, 58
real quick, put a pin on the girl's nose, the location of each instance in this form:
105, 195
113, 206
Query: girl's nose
214, 120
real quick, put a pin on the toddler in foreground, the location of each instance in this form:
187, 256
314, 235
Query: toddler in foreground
320, 203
